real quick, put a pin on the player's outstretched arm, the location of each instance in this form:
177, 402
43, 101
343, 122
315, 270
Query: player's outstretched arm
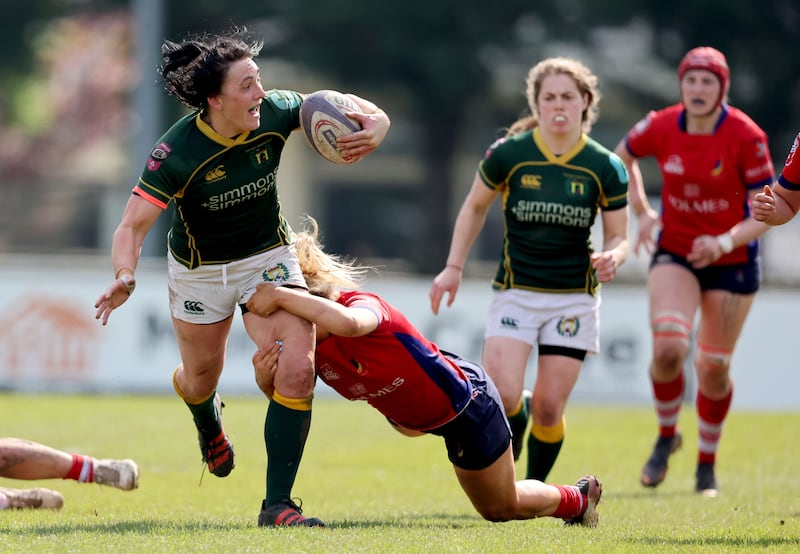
775, 205
327, 314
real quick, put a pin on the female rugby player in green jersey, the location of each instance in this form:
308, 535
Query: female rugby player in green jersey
219, 166
553, 179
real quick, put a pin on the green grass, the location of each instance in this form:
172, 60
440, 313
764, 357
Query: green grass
381, 492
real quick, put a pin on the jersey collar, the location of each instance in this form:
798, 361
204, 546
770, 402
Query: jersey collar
209, 131
551, 157
722, 117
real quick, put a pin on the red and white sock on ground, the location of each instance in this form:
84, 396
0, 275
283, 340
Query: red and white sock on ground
82, 469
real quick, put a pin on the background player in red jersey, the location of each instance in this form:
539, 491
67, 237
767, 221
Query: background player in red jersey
29, 460
218, 166
778, 204
368, 350
712, 157
553, 180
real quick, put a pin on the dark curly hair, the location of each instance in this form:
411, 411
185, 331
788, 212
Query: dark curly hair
195, 68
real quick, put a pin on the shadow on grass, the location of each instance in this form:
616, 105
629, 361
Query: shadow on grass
412, 521
138, 527
731, 541
153, 527
649, 493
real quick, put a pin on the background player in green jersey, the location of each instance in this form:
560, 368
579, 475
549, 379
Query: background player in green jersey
553, 179
218, 165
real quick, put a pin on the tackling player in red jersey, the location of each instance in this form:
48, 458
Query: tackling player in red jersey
368, 350
713, 158
778, 204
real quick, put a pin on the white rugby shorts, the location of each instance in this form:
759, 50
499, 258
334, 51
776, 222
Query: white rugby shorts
555, 319
211, 293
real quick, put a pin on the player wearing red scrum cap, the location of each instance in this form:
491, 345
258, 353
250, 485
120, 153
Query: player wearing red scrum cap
713, 159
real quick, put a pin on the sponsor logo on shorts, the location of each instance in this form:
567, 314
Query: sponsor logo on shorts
568, 326
194, 307
509, 322
276, 273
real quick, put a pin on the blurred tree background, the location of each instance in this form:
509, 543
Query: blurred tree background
450, 73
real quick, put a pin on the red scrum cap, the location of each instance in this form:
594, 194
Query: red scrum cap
710, 59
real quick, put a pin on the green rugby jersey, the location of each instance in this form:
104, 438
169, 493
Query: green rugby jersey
224, 189
549, 204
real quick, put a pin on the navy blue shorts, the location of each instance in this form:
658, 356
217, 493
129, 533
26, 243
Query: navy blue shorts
739, 278
480, 434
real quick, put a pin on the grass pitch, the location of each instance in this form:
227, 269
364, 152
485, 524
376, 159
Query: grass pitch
381, 492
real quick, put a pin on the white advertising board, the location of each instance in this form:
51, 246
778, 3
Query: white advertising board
50, 340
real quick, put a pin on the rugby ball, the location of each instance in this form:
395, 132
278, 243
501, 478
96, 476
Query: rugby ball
323, 121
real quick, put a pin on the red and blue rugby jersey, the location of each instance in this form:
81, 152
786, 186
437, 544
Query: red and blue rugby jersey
707, 179
394, 368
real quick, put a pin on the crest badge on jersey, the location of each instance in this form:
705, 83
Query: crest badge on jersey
357, 365
260, 156
576, 186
